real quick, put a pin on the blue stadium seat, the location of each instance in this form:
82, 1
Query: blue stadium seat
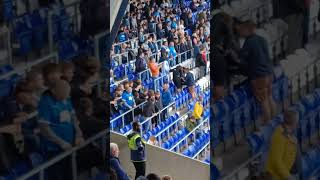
24, 37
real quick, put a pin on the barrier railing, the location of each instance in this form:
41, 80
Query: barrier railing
204, 148
148, 119
131, 63
40, 170
181, 118
304, 74
191, 132
23, 69
5, 37
125, 113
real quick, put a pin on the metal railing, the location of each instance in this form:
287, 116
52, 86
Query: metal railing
23, 69
125, 113
5, 37
181, 118
191, 132
40, 170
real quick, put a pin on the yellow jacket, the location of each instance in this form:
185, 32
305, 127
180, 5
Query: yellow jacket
282, 154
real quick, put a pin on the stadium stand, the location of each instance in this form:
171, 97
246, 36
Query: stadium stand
294, 87
172, 34
43, 42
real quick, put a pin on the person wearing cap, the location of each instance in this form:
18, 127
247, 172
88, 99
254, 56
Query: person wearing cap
137, 149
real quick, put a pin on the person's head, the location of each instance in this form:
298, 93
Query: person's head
129, 89
23, 94
165, 86
86, 106
121, 87
165, 43
245, 29
136, 126
114, 150
87, 80
152, 60
60, 90
192, 119
157, 95
151, 95
152, 138
290, 121
92, 65
34, 80
67, 70
51, 73
153, 176
166, 177
131, 83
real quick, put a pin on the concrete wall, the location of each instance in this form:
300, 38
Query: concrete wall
163, 162
114, 8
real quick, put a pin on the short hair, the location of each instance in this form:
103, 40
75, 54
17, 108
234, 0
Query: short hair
135, 125
113, 146
85, 103
290, 117
66, 66
153, 176
30, 76
166, 177
50, 68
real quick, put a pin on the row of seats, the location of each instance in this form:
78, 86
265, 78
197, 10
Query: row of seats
197, 145
309, 124
237, 110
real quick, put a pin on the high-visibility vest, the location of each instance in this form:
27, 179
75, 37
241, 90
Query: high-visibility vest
132, 142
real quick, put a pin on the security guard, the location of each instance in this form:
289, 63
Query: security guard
137, 148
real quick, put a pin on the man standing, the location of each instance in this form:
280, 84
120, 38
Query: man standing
283, 152
137, 148
115, 163
255, 55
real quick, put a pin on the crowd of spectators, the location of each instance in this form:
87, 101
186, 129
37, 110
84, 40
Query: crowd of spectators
52, 109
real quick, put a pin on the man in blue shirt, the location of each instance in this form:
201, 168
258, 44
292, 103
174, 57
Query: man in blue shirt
59, 126
115, 163
166, 95
129, 103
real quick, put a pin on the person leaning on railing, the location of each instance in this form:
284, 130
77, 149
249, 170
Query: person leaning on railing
58, 126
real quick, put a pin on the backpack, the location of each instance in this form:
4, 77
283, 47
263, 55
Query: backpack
94, 17
198, 110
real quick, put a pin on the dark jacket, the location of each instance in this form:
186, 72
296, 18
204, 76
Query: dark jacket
177, 78
219, 72
149, 109
255, 54
140, 64
139, 154
189, 80
158, 104
115, 164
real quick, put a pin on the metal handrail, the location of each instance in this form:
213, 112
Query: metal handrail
200, 150
191, 132
28, 66
170, 125
40, 169
154, 115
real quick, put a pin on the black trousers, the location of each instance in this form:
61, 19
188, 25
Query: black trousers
140, 168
